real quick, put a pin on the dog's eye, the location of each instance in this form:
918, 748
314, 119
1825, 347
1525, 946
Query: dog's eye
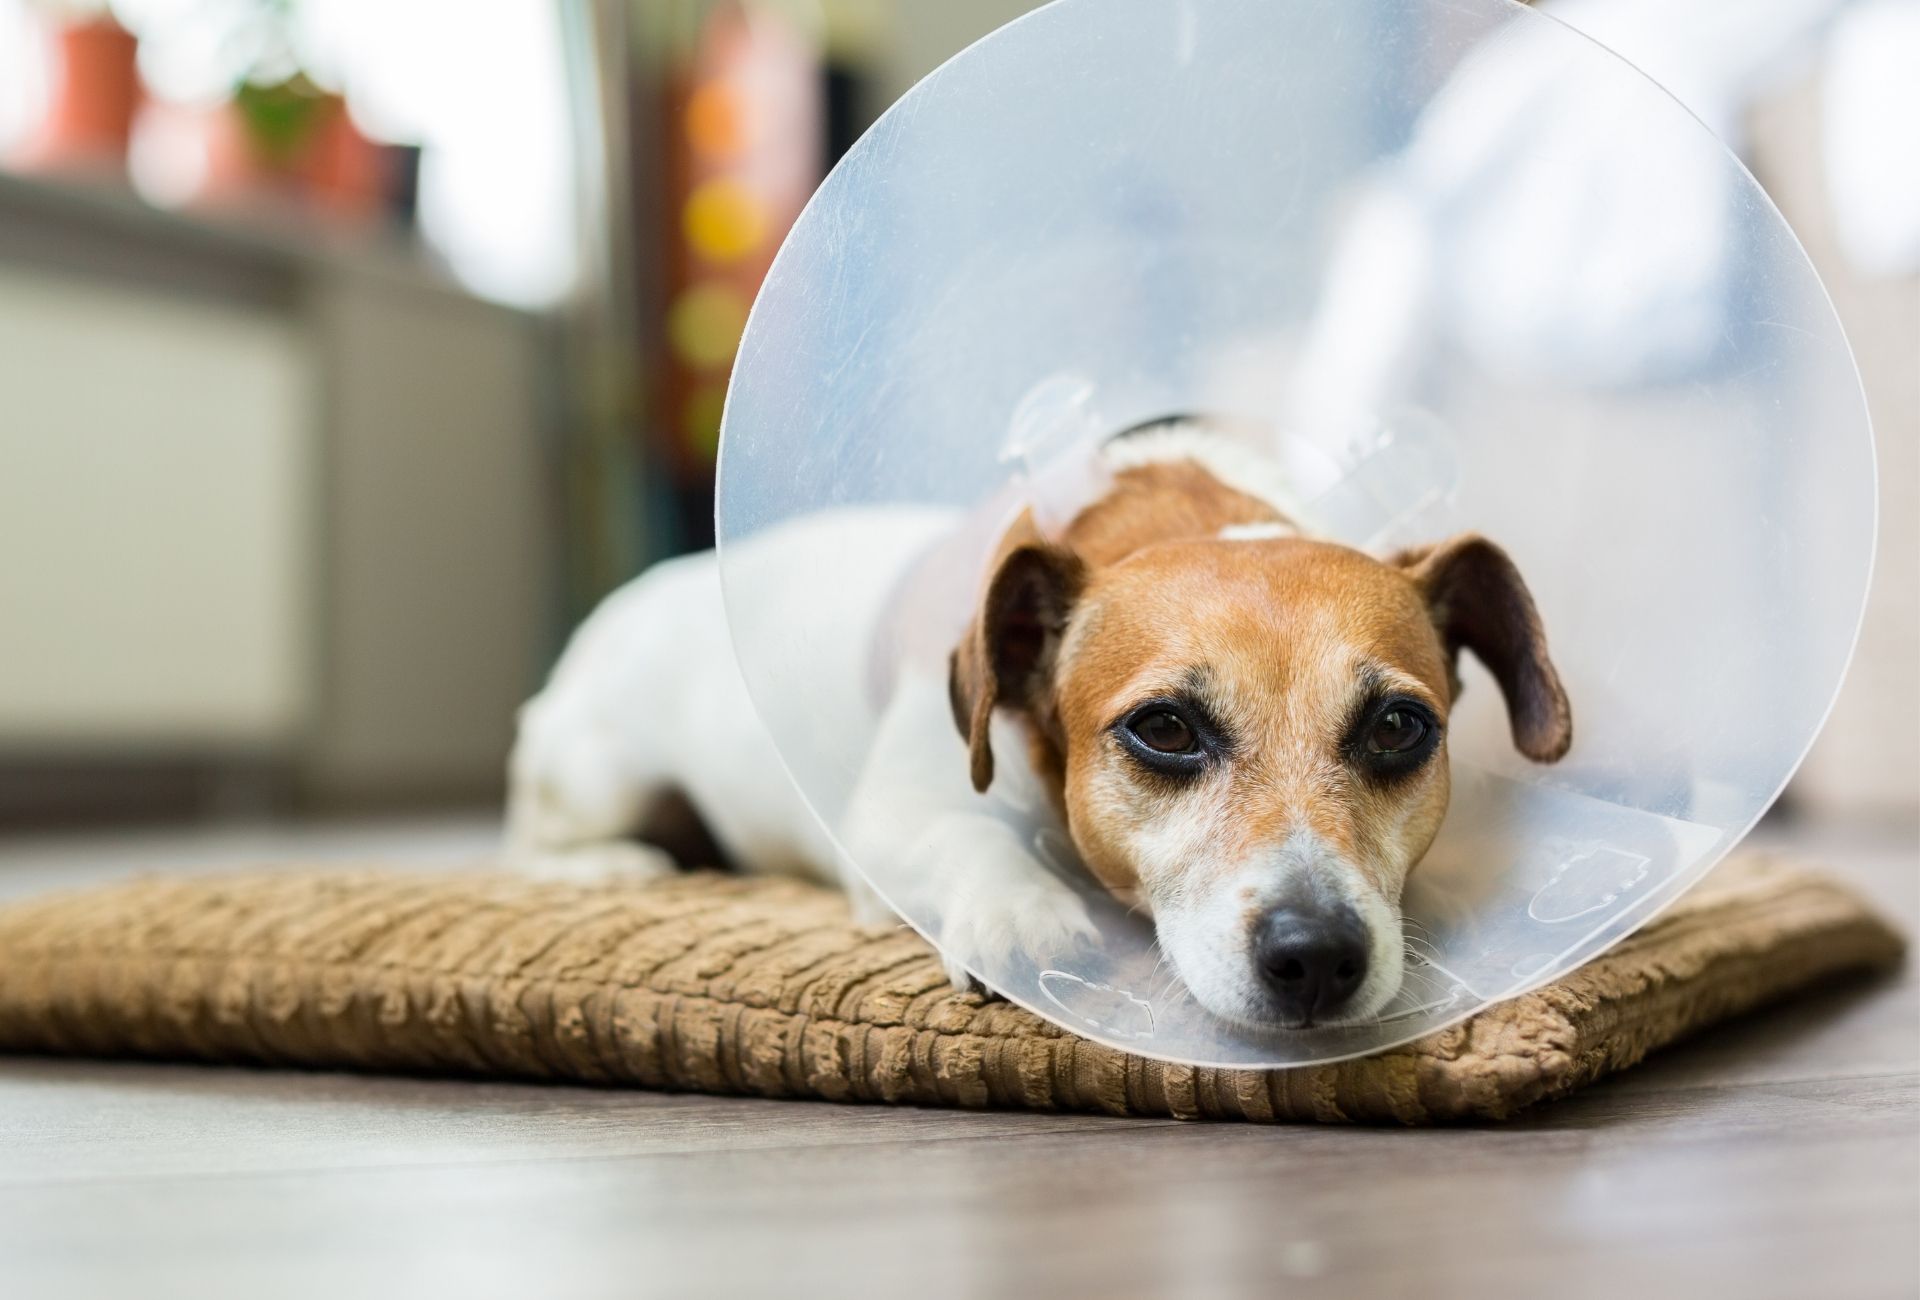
1172, 739
1392, 738
1397, 731
1165, 732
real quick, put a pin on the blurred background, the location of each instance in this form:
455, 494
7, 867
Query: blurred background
351, 350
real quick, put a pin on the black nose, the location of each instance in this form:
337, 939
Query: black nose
1312, 961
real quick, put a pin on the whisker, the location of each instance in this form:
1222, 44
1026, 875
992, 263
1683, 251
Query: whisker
1169, 984
1419, 961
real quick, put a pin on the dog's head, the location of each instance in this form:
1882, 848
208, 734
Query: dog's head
1247, 736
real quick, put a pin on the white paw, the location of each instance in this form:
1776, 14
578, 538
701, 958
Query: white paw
1036, 921
589, 864
992, 904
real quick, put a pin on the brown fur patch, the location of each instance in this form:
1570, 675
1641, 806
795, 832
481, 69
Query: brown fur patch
1160, 503
1480, 603
1007, 655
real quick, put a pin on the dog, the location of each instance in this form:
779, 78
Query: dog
1241, 729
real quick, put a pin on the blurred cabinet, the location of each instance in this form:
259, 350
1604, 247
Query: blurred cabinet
438, 536
267, 505
156, 523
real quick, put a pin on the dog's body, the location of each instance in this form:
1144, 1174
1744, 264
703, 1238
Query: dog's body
647, 702
1241, 729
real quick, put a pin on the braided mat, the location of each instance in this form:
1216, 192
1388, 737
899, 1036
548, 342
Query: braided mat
763, 987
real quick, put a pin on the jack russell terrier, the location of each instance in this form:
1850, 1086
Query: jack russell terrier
1241, 729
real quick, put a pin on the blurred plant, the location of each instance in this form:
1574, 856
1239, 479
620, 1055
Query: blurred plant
238, 111
283, 118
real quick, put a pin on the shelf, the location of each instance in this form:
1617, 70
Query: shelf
99, 225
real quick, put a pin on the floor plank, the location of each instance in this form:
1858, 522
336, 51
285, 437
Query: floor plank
86, 1121
1705, 1187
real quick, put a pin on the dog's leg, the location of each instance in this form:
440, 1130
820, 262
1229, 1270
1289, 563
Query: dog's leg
585, 768
914, 812
576, 796
569, 812
996, 901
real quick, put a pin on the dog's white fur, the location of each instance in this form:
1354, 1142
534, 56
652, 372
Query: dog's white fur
648, 698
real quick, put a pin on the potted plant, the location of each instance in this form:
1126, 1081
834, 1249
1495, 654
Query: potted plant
93, 89
272, 129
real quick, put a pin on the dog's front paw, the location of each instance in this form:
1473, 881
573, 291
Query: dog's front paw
592, 864
991, 899
1039, 922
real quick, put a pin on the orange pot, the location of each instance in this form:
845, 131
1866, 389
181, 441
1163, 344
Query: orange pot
344, 172
95, 94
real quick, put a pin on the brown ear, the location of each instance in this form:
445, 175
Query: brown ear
1006, 658
1479, 602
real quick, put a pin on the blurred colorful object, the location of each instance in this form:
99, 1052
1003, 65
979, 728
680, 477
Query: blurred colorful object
704, 324
724, 221
94, 92
745, 146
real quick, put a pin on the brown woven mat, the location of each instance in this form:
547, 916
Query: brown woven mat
721, 984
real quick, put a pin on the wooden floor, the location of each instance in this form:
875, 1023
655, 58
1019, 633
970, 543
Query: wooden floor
1778, 1157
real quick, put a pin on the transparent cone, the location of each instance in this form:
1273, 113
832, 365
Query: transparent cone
1471, 272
